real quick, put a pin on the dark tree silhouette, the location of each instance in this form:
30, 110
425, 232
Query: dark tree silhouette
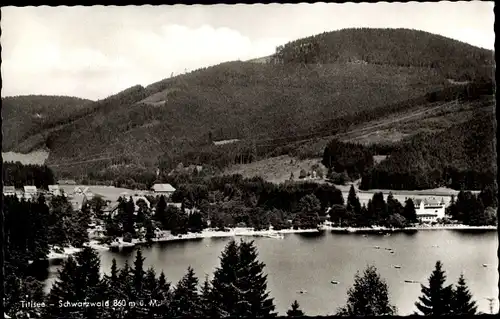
436, 299
462, 303
369, 296
294, 311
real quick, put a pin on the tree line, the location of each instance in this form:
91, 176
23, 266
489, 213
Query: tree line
399, 47
462, 157
238, 288
231, 201
31, 228
19, 175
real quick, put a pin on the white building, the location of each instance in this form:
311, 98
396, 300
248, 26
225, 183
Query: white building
430, 210
54, 190
9, 191
163, 189
30, 192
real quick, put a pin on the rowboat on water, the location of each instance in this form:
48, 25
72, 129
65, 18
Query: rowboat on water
334, 282
397, 266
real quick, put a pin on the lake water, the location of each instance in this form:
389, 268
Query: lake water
305, 262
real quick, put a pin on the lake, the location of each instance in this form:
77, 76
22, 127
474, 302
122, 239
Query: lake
310, 262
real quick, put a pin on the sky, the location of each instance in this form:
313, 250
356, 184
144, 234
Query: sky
94, 52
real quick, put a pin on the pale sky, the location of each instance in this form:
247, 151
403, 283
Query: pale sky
94, 52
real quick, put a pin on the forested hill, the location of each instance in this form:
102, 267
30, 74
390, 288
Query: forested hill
397, 47
176, 119
462, 157
28, 114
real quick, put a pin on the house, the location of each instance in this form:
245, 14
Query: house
66, 182
19, 194
430, 209
163, 189
77, 201
30, 192
9, 191
54, 190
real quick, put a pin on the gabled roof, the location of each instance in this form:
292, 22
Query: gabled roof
432, 201
163, 188
30, 189
53, 187
9, 189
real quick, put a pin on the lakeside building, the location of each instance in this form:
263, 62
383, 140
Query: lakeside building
163, 189
429, 210
9, 191
30, 192
54, 190
66, 182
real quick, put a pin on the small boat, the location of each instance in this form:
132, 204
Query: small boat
377, 247
397, 266
411, 281
392, 252
388, 249
334, 282
302, 291
275, 236
485, 265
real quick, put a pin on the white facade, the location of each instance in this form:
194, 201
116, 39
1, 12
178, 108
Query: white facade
9, 191
30, 192
54, 190
430, 209
163, 189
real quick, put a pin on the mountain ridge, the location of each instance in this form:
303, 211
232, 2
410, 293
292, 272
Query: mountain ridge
290, 93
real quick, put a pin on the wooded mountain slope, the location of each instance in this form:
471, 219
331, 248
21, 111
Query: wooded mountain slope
400, 47
462, 157
27, 115
257, 101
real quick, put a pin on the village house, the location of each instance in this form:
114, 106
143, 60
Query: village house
112, 208
9, 191
30, 192
77, 200
54, 190
163, 189
66, 182
429, 210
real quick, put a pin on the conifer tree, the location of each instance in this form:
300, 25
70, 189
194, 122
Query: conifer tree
186, 300
88, 274
436, 298
205, 301
369, 296
252, 284
88, 280
161, 212
64, 289
224, 296
462, 303
112, 283
125, 280
150, 232
409, 211
163, 295
353, 203
295, 311
138, 275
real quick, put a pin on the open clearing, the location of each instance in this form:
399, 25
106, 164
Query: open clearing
36, 157
275, 169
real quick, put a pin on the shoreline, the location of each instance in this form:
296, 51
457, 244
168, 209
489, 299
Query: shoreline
248, 232
410, 228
